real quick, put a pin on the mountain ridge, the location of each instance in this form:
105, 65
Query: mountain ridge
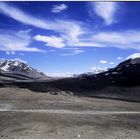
121, 82
16, 68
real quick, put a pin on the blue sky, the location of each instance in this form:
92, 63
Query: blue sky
62, 38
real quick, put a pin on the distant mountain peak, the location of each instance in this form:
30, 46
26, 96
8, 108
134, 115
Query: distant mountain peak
18, 67
14, 65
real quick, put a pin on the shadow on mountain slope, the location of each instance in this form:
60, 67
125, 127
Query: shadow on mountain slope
84, 87
121, 82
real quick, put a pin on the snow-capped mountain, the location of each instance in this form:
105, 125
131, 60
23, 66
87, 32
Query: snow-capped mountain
14, 65
97, 71
126, 73
17, 67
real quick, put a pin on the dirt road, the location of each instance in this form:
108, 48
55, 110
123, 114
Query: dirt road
73, 112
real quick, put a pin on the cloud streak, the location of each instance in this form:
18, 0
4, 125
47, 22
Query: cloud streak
106, 10
111, 63
73, 53
129, 39
16, 41
68, 30
51, 41
59, 8
103, 62
12, 52
119, 58
69, 33
20, 16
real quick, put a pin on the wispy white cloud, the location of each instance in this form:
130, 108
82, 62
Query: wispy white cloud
119, 58
129, 39
103, 61
106, 10
20, 16
69, 33
133, 56
87, 43
68, 30
51, 41
111, 63
59, 8
73, 53
7, 52
12, 52
16, 41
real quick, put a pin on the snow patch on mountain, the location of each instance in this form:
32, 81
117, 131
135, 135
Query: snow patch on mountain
133, 56
97, 70
18, 67
14, 65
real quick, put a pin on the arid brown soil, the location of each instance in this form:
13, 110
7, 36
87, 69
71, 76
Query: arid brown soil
26, 114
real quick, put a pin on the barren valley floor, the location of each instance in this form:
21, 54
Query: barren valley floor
26, 114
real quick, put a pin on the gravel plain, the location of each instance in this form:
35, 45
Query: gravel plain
27, 114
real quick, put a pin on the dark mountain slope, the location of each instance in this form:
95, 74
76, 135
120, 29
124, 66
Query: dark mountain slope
121, 82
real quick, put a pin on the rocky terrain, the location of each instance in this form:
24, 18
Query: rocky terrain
26, 114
